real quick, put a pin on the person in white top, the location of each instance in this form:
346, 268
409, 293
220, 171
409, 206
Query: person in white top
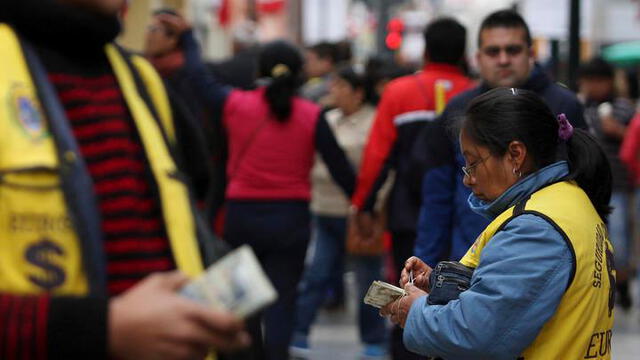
350, 121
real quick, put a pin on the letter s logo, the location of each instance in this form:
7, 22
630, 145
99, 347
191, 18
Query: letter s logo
40, 254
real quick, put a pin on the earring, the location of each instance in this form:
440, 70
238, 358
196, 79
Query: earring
517, 173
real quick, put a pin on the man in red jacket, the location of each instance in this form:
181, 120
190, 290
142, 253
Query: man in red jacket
407, 105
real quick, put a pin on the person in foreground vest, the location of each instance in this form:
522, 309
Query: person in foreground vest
543, 281
94, 208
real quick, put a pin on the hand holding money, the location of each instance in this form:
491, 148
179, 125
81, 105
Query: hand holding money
236, 283
381, 293
398, 310
151, 321
419, 271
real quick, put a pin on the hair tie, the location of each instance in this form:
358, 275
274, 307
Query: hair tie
280, 70
565, 129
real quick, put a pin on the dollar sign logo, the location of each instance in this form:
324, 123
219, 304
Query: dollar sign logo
40, 255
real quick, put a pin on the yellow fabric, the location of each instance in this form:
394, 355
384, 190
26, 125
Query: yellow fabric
441, 96
158, 95
581, 326
40, 251
174, 195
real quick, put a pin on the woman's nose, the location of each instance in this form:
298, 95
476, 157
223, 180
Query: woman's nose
467, 180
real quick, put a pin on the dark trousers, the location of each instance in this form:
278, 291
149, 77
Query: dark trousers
330, 233
402, 249
278, 232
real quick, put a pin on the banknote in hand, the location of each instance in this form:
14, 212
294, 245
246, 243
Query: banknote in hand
236, 283
381, 293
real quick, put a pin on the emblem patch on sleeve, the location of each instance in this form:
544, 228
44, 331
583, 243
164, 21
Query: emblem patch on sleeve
27, 113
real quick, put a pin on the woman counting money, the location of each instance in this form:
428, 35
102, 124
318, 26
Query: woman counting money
542, 281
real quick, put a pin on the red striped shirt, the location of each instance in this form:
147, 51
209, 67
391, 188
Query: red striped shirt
23, 334
135, 239
135, 244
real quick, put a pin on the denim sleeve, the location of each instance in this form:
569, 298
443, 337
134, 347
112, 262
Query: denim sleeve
435, 220
208, 88
523, 273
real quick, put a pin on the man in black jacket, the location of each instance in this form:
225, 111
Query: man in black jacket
446, 226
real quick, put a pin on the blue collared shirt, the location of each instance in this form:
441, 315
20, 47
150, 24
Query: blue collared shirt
523, 273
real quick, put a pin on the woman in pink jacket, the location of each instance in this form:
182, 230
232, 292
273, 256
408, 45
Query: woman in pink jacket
272, 135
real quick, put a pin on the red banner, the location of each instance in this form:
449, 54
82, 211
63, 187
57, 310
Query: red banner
224, 13
270, 6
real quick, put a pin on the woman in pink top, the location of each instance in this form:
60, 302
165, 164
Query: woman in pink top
272, 136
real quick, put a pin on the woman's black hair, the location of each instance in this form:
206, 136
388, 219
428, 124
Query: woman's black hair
282, 62
380, 69
358, 80
503, 115
349, 74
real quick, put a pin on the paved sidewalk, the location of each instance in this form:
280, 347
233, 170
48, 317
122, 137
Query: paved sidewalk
335, 335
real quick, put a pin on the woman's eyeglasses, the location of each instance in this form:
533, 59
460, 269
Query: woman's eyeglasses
469, 170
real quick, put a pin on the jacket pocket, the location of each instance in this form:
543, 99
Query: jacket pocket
35, 178
39, 251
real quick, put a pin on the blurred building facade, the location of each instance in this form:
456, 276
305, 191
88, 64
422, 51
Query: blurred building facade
365, 24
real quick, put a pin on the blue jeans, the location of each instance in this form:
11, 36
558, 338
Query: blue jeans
330, 233
620, 229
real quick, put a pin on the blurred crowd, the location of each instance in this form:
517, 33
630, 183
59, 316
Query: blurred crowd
409, 198
319, 163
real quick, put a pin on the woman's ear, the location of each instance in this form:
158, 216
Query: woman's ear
517, 154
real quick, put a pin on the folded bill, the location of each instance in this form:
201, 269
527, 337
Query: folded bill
236, 283
381, 293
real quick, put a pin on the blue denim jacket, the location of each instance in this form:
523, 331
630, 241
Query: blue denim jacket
517, 287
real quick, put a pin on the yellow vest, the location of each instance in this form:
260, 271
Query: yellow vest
581, 326
39, 247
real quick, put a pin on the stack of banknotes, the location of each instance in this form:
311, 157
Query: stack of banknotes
381, 293
236, 283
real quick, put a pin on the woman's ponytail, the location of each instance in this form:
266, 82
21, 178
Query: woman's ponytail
590, 168
279, 94
281, 63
